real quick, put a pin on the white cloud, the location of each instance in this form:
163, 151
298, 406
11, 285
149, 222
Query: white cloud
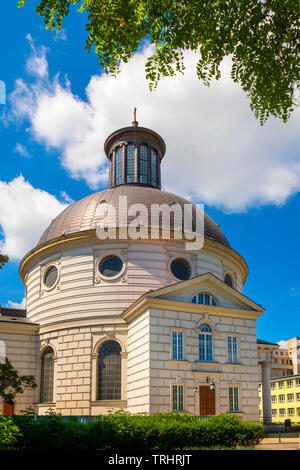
282, 344
217, 153
25, 212
11, 304
21, 149
37, 63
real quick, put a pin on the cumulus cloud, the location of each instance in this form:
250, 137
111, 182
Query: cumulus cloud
282, 344
217, 153
11, 304
25, 212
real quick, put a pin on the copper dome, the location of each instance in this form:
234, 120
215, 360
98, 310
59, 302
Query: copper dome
82, 215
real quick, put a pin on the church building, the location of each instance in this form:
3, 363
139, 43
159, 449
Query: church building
144, 324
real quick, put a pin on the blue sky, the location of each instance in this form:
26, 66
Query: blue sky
60, 109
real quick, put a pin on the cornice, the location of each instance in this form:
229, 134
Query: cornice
188, 307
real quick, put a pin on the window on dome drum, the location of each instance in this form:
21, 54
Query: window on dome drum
181, 269
130, 164
51, 276
110, 266
109, 371
233, 399
228, 280
205, 299
119, 162
177, 345
153, 168
178, 402
205, 343
47, 376
232, 349
143, 164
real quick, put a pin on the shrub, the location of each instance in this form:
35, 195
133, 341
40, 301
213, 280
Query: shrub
9, 433
121, 431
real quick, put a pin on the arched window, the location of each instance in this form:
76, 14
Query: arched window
228, 280
204, 299
47, 376
205, 343
109, 371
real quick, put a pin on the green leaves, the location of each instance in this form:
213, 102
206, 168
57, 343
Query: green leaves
3, 260
11, 383
262, 37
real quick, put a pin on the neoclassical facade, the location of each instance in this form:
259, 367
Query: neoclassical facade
137, 322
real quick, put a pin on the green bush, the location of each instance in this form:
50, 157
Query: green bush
9, 433
121, 431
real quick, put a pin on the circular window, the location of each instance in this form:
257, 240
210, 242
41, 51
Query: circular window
181, 269
110, 266
51, 276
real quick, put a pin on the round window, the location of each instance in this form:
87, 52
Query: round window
51, 276
110, 266
181, 269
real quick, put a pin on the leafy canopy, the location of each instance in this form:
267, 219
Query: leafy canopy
261, 37
12, 383
3, 260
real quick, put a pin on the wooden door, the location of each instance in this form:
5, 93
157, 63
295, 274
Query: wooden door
207, 401
8, 410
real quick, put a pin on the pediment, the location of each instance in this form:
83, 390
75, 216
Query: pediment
224, 295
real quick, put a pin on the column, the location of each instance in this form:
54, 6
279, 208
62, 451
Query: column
266, 392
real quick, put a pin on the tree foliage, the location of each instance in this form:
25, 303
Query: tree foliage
261, 37
3, 260
11, 383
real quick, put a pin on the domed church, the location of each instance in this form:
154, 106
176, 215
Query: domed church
141, 323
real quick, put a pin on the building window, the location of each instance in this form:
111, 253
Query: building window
205, 343
291, 412
290, 383
109, 371
51, 277
298, 411
154, 168
181, 269
232, 349
47, 376
228, 280
110, 266
298, 383
281, 384
281, 398
298, 396
274, 399
290, 397
177, 345
119, 164
273, 385
282, 412
130, 167
143, 164
274, 413
178, 402
233, 399
204, 299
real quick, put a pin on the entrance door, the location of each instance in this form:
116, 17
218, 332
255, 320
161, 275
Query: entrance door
8, 410
207, 401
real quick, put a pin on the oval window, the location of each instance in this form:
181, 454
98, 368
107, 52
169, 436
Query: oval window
110, 266
51, 276
181, 269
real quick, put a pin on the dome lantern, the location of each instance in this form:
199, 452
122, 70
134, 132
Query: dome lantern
134, 155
